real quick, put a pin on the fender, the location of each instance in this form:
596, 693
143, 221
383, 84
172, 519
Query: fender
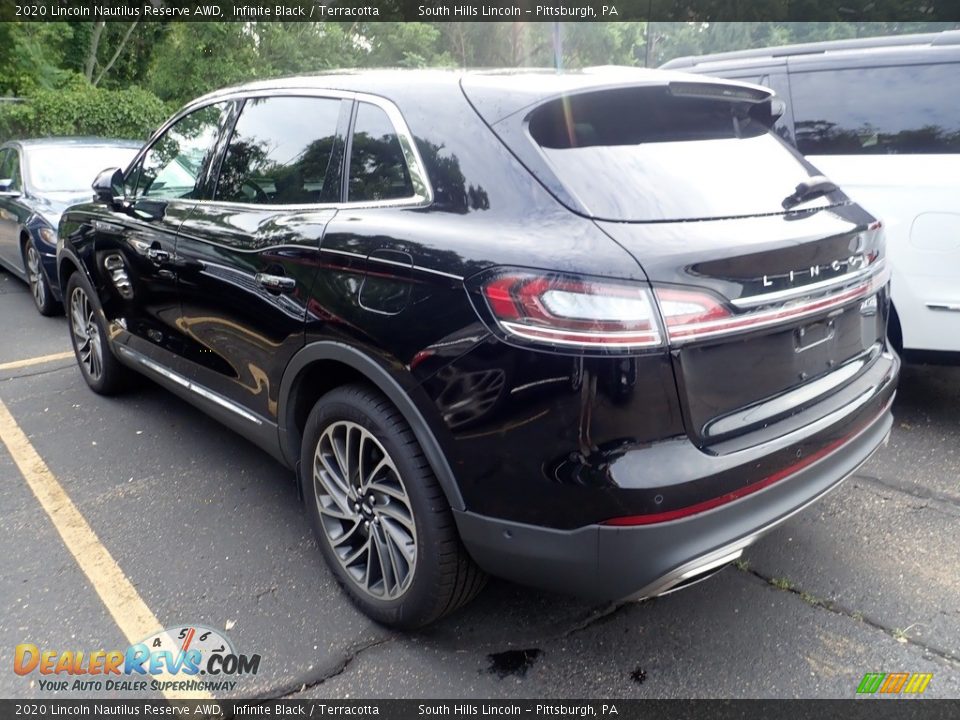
79, 251
380, 377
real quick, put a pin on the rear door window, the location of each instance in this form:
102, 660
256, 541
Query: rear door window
644, 154
282, 152
878, 110
378, 170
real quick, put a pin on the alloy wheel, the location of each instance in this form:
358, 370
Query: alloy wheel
35, 276
365, 511
86, 333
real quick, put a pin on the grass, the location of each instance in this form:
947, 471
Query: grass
781, 583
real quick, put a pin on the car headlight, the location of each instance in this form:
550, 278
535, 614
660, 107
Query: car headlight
48, 235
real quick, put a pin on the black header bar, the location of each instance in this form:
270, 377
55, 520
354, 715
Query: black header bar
472, 709
486, 11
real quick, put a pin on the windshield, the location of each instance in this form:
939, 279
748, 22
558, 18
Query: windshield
73, 169
643, 154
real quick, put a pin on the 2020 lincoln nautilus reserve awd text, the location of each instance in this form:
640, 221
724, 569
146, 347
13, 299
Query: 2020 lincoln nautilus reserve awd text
594, 331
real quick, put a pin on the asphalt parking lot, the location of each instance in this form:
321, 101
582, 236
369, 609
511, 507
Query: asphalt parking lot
209, 530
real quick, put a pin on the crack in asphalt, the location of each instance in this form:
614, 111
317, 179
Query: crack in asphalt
593, 618
303, 684
18, 376
307, 683
843, 611
912, 490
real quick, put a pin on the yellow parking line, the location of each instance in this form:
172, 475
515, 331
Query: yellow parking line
121, 598
35, 360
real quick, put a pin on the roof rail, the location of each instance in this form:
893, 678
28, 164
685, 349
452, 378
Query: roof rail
947, 37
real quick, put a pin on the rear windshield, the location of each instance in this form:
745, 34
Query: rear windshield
643, 154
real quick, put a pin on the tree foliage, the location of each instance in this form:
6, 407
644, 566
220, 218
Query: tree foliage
78, 108
137, 68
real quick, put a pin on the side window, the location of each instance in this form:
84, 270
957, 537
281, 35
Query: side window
280, 153
378, 170
10, 168
880, 110
178, 161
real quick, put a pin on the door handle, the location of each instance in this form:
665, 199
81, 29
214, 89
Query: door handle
276, 283
157, 256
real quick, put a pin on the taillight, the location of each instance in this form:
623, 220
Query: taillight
593, 313
693, 315
572, 311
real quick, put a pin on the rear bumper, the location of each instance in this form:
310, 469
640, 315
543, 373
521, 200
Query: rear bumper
601, 562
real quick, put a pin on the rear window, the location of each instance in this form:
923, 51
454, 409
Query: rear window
643, 154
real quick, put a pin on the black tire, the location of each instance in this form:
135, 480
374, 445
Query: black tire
104, 374
40, 290
442, 576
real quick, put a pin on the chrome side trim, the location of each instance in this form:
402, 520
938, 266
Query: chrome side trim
947, 307
803, 290
183, 382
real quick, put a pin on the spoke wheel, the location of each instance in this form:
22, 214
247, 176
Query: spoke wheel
364, 509
86, 334
91, 342
38, 285
380, 516
40, 290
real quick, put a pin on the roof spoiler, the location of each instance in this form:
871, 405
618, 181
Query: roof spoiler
761, 104
719, 91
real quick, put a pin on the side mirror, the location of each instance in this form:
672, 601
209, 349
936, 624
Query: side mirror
767, 113
108, 187
777, 108
5, 188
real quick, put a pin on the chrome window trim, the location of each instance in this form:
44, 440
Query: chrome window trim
423, 190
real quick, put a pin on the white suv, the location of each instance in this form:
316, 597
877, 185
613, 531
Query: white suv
881, 118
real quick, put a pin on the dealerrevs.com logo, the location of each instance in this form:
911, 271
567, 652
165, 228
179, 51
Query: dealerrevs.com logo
188, 658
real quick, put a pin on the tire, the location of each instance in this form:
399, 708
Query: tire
37, 280
400, 507
88, 334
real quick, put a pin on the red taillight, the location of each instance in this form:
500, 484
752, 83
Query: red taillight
573, 311
589, 313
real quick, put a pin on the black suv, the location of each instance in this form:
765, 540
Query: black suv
594, 332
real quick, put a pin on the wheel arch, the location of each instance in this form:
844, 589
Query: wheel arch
324, 365
66, 267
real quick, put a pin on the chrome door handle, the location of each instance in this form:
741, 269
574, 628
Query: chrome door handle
276, 283
157, 256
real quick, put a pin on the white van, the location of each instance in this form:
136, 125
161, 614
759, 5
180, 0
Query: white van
881, 118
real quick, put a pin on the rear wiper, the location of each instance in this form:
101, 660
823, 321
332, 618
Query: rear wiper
814, 187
